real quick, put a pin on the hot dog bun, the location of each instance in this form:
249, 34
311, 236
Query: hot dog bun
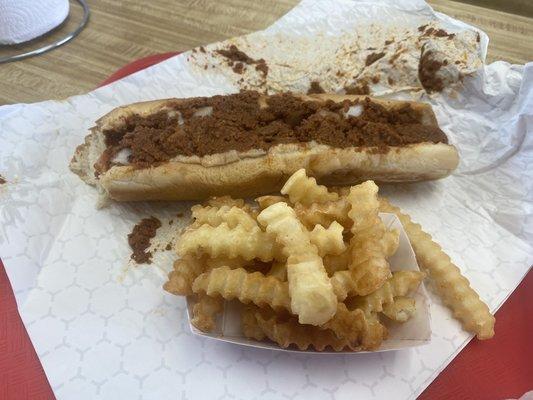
255, 172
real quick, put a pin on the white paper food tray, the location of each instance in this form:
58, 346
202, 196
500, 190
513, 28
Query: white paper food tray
415, 332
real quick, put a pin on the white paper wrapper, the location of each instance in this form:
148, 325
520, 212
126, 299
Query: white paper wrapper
105, 329
415, 332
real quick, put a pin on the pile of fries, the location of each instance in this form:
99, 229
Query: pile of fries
310, 267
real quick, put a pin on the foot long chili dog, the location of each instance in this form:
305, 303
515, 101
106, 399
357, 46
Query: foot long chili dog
247, 144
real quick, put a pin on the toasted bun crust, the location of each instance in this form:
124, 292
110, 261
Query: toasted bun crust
246, 175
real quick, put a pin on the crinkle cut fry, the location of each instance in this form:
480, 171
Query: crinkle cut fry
450, 285
205, 312
289, 332
368, 268
181, 278
357, 327
400, 284
328, 241
364, 207
189, 267
333, 263
340, 262
247, 287
401, 309
324, 213
368, 228
303, 189
344, 282
362, 280
223, 241
312, 296
267, 291
214, 216
268, 200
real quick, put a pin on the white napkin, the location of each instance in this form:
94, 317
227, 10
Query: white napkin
23, 20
